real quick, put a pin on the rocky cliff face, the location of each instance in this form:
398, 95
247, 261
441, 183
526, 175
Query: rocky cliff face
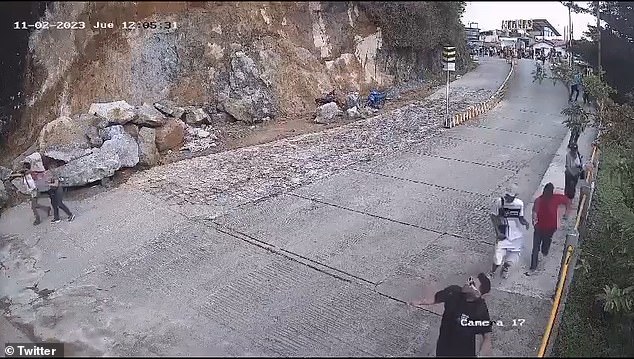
265, 59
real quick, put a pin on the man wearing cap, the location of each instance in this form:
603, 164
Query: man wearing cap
507, 215
573, 170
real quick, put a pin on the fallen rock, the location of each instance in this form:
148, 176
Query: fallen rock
111, 132
171, 135
222, 117
118, 112
170, 109
326, 114
200, 133
126, 148
353, 113
149, 116
4, 173
195, 116
99, 164
238, 109
94, 139
132, 130
148, 153
198, 145
352, 100
65, 138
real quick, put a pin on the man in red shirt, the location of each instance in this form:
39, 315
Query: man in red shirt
545, 221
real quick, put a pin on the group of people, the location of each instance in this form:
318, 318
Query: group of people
37, 182
466, 314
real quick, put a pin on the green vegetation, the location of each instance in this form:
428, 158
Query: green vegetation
598, 319
422, 27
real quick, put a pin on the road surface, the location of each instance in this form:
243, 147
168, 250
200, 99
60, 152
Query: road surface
302, 247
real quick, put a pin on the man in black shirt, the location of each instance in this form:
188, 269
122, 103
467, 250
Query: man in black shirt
466, 314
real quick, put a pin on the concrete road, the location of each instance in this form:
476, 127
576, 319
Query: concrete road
322, 270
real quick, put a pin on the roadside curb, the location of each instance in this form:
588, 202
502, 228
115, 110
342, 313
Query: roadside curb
476, 110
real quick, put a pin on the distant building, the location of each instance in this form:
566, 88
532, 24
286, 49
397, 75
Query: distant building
521, 34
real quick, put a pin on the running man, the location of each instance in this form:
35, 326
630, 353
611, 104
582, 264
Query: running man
545, 222
507, 215
464, 306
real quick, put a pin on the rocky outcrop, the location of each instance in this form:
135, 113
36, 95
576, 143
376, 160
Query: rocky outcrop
272, 58
118, 112
171, 135
148, 153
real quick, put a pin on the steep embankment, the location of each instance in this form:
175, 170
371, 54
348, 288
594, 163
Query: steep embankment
274, 57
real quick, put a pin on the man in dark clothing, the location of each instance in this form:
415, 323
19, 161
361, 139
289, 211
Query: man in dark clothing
56, 192
466, 314
545, 221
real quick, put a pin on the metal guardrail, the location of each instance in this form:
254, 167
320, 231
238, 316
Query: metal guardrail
570, 254
481, 107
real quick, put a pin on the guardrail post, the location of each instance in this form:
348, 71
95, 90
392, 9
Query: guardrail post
572, 239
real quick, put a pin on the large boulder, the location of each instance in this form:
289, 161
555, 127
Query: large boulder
238, 109
353, 113
170, 109
65, 138
131, 129
118, 112
171, 135
94, 139
88, 169
149, 116
148, 153
251, 88
327, 113
196, 116
110, 132
124, 145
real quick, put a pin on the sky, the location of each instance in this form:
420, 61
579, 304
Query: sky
489, 14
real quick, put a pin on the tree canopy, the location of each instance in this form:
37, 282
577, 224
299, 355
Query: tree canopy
617, 44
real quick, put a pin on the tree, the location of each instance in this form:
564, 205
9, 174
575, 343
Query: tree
422, 27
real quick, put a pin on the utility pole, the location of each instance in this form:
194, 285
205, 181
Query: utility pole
570, 32
599, 37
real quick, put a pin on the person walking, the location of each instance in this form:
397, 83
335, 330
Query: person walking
56, 193
31, 185
574, 87
573, 170
507, 215
545, 222
465, 316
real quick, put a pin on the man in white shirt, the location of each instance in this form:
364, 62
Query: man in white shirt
508, 216
31, 185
